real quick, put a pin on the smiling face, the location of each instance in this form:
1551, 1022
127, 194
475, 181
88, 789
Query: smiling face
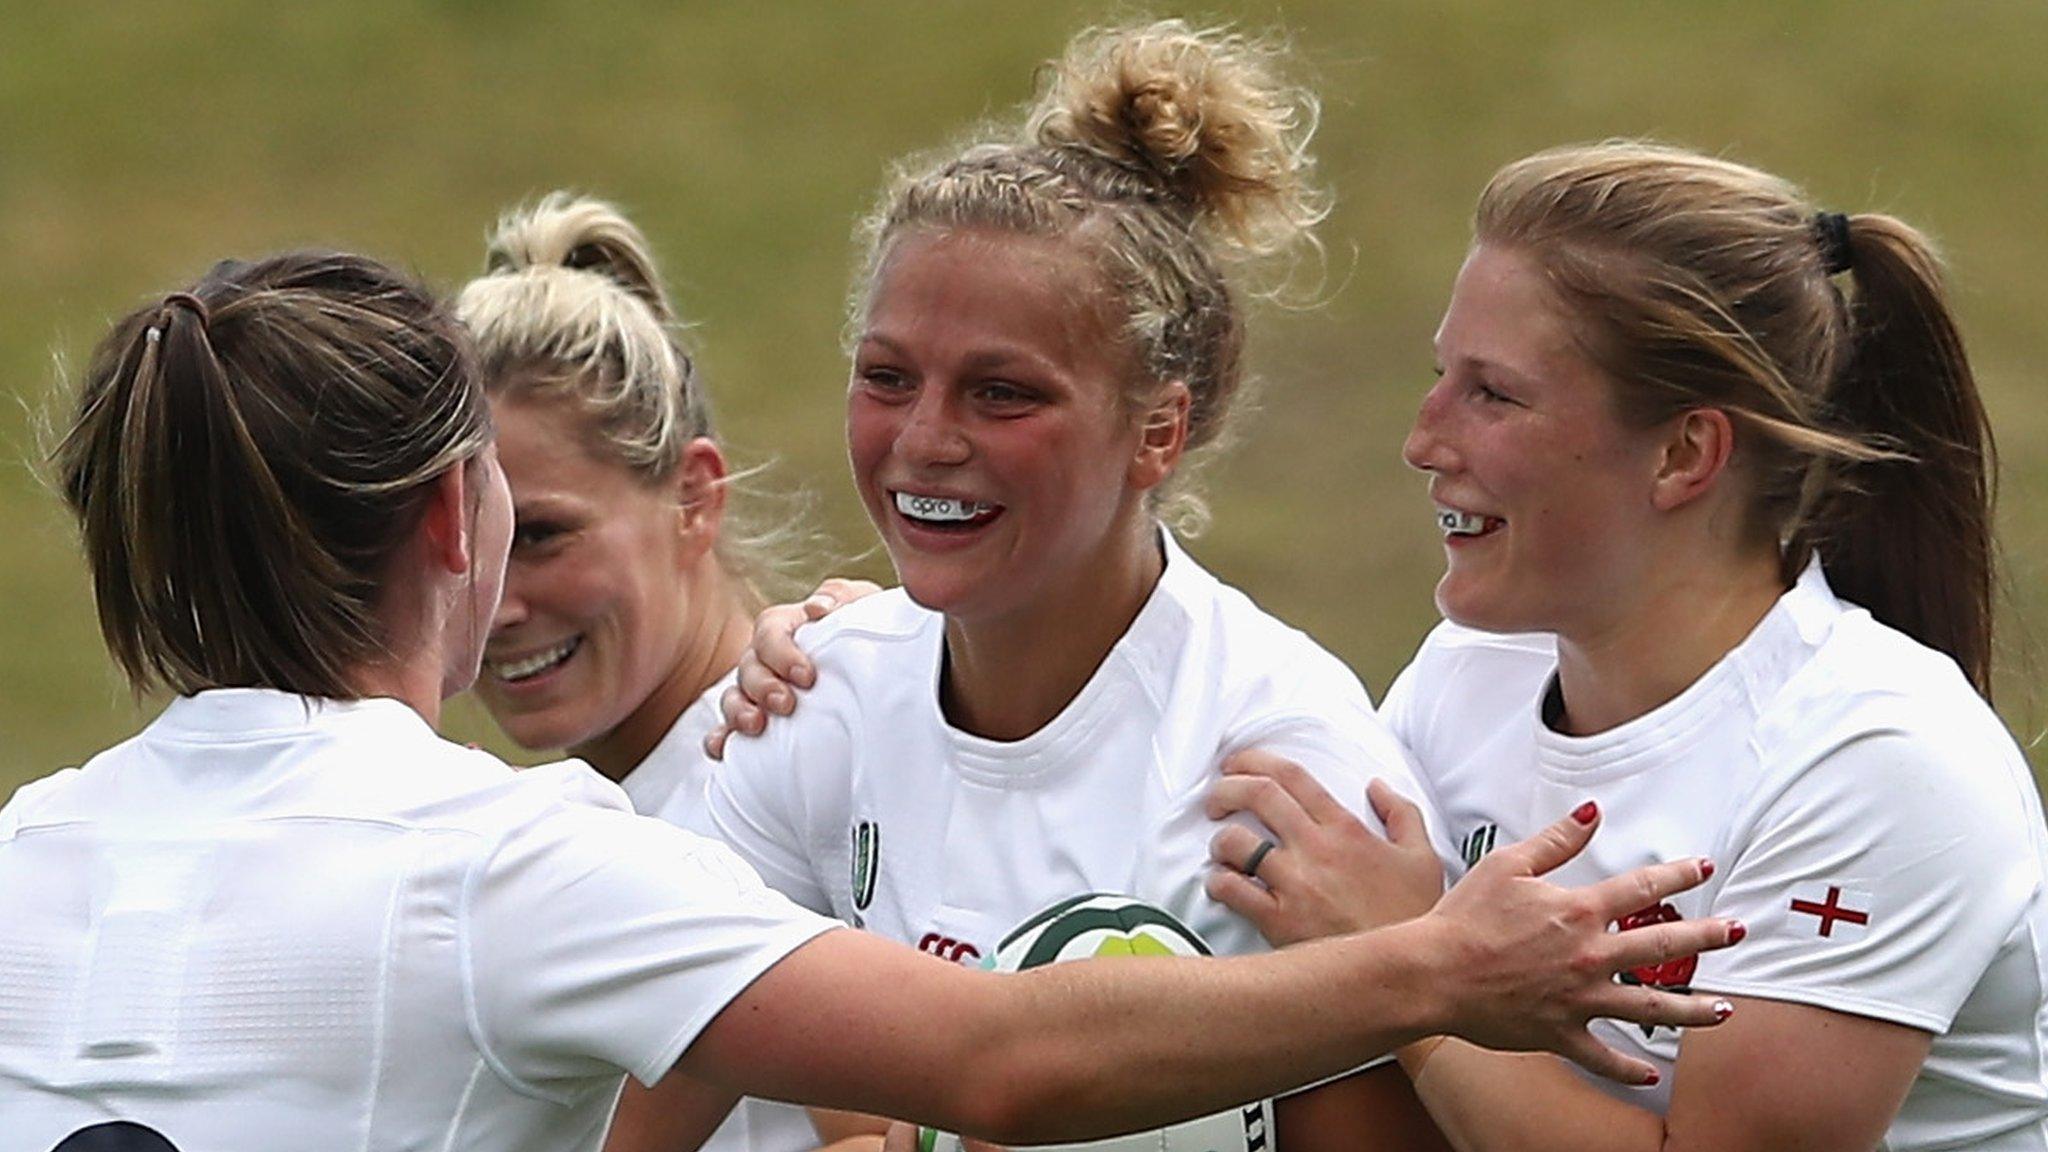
987, 427
1545, 496
595, 612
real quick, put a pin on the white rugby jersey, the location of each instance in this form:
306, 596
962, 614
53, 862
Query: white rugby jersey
1871, 821
669, 785
867, 805
273, 922
671, 780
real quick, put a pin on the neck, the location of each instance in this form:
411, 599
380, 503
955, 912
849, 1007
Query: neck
712, 645
1628, 663
1008, 677
414, 683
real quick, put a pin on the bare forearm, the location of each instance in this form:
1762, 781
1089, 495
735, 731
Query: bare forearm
1487, 1101
1068, 1052
1077, 1051
1102, 1041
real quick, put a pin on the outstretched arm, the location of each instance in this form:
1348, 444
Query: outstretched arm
1077, 1051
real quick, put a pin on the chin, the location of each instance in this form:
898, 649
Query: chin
933, 587
535, 731
1472, 609
932, 596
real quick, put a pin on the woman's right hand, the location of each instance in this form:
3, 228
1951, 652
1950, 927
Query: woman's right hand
773, 669
1320, 871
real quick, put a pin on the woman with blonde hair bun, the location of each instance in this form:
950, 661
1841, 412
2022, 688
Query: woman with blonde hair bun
1047, 331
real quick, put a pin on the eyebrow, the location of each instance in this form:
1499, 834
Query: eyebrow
990, 360
1486, 364
545, 505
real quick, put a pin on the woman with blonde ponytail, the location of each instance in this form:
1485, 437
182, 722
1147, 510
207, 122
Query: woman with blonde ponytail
633, 571
1048, 332
1715, 481
635, 567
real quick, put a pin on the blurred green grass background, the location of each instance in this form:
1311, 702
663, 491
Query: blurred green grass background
138, 143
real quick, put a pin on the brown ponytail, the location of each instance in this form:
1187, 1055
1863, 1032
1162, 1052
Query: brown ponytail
1909, 536
246, 460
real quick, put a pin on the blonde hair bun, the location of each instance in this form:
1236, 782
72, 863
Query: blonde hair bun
1205, 113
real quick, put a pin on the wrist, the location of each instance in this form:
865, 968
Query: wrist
1406, 967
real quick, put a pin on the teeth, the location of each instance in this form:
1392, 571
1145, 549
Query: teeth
1458, 523
515, 670
940, 508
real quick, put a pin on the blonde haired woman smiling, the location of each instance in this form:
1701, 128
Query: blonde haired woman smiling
635, 570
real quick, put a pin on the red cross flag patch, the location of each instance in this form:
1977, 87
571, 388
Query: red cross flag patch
1829, 911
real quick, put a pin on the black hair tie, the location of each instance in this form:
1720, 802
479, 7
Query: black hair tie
1831, 232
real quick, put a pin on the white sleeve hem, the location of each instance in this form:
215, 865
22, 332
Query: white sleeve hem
777, 949
1834, 1000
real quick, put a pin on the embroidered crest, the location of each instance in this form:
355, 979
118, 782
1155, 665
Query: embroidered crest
867, 861
1477, 843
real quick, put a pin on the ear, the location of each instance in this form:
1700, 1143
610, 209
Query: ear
1162, 436
1695, 454
699, 489
446, 524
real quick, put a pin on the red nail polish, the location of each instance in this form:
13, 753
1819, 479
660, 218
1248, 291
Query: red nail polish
1706, 869
1736, 932
1585, 813
1650, 1080
1723, 1009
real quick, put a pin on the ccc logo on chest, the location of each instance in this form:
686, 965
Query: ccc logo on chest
947, 948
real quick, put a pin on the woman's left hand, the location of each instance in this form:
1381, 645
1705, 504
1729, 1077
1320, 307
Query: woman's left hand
1326, 873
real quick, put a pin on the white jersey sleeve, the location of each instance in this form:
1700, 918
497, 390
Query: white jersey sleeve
1878, 882
753, 804
597, 940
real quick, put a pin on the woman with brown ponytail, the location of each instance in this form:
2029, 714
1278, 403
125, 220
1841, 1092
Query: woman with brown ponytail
1715, 486
1048, 328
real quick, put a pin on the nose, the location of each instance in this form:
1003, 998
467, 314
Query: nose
512, 608
1426, 449
932, 432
